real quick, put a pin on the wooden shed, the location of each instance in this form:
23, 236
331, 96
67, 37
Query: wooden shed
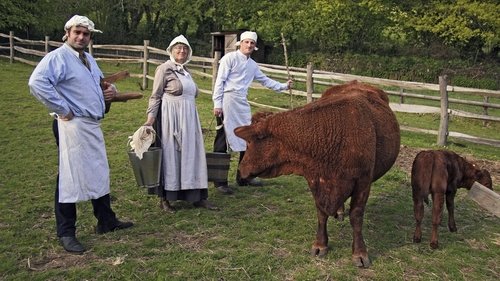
224, 42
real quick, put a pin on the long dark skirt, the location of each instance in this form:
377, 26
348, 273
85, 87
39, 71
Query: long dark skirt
192, 195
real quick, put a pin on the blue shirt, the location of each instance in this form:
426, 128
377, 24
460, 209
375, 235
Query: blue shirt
236, 73
63, 84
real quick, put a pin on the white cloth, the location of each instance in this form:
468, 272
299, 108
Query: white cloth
237, 113
248, 35
78, 20
83, 164
184, 161
142, 139
177, 40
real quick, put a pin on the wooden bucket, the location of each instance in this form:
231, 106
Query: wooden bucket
218, 166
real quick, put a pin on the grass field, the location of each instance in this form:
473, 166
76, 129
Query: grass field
259, 233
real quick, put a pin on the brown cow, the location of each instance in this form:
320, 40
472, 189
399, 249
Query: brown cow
440, 173
340, 144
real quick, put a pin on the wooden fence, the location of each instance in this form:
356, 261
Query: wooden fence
26, 50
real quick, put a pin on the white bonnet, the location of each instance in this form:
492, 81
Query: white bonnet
77, 20
177, 40
248, 35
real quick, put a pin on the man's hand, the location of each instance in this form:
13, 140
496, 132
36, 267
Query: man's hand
66, 117
109, 91
218, 112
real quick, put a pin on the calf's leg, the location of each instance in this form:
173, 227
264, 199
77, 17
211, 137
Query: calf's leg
418, 212
437, 208
450, 205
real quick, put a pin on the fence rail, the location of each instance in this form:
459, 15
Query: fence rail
31, 50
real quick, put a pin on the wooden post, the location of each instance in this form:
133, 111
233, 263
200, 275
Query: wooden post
486, 99
11, 43
47, 48
443, 124
401, 97
91, 47
309, 82
486, 198
145, 66
215, 68
283, 42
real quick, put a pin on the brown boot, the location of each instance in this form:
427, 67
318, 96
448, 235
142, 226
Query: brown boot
165, 206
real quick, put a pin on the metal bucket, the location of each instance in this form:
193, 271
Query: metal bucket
147, 169
218, 166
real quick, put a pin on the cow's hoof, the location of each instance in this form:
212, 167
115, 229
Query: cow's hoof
320, 252
417, 239
434, 245
361, 261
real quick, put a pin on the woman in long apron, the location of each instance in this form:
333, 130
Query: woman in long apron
172, 109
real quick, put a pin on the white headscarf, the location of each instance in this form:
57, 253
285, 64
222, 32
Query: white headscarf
77, 20
248, 35
175, 41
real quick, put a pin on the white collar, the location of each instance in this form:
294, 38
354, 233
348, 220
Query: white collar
72, 50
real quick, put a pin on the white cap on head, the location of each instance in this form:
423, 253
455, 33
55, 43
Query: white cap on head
248, 35
77, 20
179, 39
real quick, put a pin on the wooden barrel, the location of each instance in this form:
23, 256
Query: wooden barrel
218, 166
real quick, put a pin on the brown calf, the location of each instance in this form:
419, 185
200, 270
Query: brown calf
440, 173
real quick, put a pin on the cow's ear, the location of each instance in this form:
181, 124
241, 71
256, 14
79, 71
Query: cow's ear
245, 132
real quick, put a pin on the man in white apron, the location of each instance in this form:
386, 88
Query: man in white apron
67, 81
236, 72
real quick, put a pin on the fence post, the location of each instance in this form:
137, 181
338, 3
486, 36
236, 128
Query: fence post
309, 82
443, 123
11, 43
145, 66
47, 44
215, 67
486, 99
91, 47
401, 97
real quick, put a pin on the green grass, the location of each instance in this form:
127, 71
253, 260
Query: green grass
259, 234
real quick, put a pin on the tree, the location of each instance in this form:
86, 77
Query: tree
16, 15
470, 26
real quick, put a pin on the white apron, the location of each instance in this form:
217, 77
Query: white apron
184, 160
83, 164
237, 112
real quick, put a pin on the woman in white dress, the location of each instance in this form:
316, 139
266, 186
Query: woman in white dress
172, 111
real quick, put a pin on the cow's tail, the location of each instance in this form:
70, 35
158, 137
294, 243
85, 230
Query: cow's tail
421, 175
